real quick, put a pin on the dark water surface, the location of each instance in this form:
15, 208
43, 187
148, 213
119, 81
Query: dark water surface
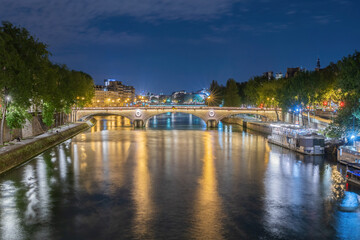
174, 180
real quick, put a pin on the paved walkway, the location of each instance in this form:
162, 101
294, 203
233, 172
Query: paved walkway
15, 144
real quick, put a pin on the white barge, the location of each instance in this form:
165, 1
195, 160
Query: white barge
305, 141
349, 154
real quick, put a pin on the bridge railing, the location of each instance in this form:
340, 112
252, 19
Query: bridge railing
175, 107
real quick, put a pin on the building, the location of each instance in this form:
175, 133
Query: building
99, 88
178, 97
269, 75
113, 85
318, 65
106, 99
290, 72
113, 94
279, 75
128, 93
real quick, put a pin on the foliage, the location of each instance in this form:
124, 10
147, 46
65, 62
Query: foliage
16, 117
28, 78
268, 93
48, 114
232, 98
348, 80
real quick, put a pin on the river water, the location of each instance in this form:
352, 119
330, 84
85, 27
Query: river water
173, 180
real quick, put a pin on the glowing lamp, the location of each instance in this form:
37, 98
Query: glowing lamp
342, 104
325, 103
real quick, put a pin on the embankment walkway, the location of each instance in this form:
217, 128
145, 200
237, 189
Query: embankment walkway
17, 153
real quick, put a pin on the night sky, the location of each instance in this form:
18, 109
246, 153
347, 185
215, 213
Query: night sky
168, 45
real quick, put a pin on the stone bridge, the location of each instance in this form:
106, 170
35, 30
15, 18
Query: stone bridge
139, 116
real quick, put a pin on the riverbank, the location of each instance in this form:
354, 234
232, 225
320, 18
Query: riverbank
262, 127
19, 152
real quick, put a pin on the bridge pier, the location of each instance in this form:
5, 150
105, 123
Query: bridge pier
211, 123
138, 123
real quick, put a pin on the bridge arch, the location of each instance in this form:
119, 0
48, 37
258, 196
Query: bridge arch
89, 116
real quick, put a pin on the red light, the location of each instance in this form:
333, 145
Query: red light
325, 103
308, 107
342, 104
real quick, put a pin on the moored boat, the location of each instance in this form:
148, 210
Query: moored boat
353, 176
301, 140
350, 154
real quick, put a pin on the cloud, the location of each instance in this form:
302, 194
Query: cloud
322, 19
291, 12
64, 20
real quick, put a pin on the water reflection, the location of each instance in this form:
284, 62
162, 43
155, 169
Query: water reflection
10, 219
142, 193
208, 212
115, 182
172, 121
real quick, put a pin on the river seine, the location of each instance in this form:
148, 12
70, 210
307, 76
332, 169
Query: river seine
173, 180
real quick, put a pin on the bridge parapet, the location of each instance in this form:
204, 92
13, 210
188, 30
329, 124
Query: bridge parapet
139, 116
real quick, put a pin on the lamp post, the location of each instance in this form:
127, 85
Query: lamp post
208, 100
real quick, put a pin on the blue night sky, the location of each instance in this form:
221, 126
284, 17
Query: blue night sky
168, 45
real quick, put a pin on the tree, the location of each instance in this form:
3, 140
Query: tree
21, 59
268, 94
242, 87
28, 78
232, 98
48, 111
252, 89
16, 116
347, 121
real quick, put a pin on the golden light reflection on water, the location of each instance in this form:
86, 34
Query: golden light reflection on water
208, 206
103, 152
142, 194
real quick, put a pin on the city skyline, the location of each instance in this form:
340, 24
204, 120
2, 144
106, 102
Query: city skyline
163, 47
